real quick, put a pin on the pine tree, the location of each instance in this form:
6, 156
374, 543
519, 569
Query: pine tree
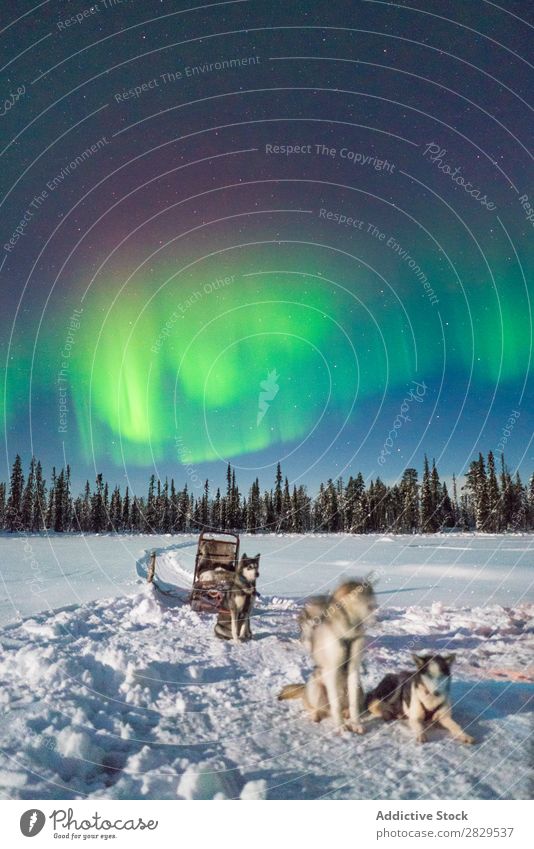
436, 494
448, 519
2, 506
115, 510
98, 507
14, 502
28, 498
254, 508
482, 504
205, 506
84, 519
286, 521
531, 502
494, 506
67, 501
278, 498
332, 519
476, 484
455, 505
319, 509
135, 516
356, 505
426, 500
39, 504
151, 513
409, 492
51, 505
125, 519
107, 524
268, 511
507, 497
58, 519
216, 520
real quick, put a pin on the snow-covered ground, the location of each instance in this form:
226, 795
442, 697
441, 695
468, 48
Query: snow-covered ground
38, 573
110, 689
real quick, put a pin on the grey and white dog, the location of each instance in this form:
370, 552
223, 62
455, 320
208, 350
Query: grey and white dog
334, 630
422, 697
233, 621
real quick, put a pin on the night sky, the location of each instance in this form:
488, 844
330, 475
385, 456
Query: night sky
255, 231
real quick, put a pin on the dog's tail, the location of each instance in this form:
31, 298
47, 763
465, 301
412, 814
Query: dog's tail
291, 691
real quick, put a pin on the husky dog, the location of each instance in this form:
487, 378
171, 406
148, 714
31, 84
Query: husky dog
335, 632
233, 621
310, 616
420, 697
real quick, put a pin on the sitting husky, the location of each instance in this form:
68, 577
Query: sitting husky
233, 621
334, 631
310, 616
419, 697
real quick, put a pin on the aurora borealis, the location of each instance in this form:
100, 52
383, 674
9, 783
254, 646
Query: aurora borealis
297, 209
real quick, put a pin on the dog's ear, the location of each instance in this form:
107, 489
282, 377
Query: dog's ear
419, 661
244, 556
257, 557
449, 659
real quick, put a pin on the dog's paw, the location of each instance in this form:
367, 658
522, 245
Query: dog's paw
421, 737
465, 738
355, 727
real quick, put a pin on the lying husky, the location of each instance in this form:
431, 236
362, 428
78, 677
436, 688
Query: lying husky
420, 697
334, 630
233, 621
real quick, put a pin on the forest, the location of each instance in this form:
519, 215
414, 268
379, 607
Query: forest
490, 500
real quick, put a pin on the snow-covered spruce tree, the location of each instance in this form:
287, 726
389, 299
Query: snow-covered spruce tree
436, 494
268, 511
58, 520
14, 502
426, 500
151, 513
286, 522
520, 504
296, 511
215, 515
99, 517
125, 518
455, 505
136, 516
493, 523
254, 507
28, 498
39, 504
2, 505
447, 510
409, 492
477, 485
277, 500
115, 511
356, 505
507, 497
205, 505
51, 503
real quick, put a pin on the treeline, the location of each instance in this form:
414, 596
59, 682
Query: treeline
488, 501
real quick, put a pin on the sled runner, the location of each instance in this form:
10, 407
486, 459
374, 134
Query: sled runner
215, 564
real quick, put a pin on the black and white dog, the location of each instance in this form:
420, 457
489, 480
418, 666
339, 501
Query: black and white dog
233, 621
422, 697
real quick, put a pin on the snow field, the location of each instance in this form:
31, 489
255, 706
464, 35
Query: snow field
133, 697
